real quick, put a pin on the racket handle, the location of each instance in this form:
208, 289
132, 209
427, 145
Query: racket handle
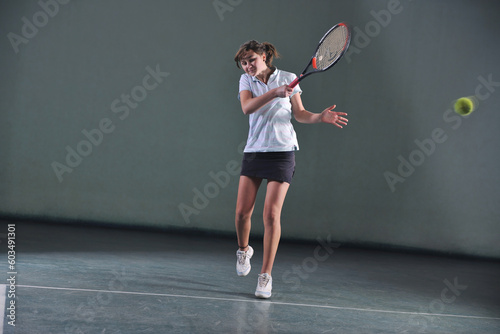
294, 83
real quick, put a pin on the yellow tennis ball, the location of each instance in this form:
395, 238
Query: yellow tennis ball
464, 106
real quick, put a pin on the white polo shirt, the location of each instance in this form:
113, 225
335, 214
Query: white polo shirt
271, 128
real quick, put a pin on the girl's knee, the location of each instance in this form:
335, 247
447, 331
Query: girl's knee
271, 217
242, 216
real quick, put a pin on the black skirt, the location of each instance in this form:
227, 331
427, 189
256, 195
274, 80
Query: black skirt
273, 166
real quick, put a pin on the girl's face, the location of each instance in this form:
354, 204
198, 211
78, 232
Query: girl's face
253, 63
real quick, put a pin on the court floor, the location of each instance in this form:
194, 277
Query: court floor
88, 279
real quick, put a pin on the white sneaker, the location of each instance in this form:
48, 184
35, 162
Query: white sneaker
264, 286
243, 261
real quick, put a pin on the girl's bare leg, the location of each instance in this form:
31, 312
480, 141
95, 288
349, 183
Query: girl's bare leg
275, 197
247, 192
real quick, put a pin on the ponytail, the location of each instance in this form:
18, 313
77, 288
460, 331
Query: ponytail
271, 53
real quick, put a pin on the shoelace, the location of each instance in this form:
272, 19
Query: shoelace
263, 280
242, 257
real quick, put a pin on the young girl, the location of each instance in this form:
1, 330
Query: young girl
269, 153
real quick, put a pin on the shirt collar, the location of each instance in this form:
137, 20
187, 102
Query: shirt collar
271, 78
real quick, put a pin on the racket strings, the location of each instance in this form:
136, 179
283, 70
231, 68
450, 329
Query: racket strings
331, 48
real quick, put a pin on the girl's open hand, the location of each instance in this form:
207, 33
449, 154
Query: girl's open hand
333, 117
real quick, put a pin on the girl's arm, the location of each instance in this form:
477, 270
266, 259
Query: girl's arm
327, 116
250, 104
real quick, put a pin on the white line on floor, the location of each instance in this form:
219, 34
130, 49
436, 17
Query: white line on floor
261, 301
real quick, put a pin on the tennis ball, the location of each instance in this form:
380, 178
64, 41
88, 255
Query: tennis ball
464, 106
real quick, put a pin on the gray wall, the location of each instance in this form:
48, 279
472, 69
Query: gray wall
406, 172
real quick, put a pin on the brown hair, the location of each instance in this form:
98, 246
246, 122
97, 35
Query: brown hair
260, 48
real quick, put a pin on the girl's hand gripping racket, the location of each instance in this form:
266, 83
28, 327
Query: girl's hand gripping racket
330, 49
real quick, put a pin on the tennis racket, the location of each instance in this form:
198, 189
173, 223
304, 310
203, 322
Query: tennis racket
330, 49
